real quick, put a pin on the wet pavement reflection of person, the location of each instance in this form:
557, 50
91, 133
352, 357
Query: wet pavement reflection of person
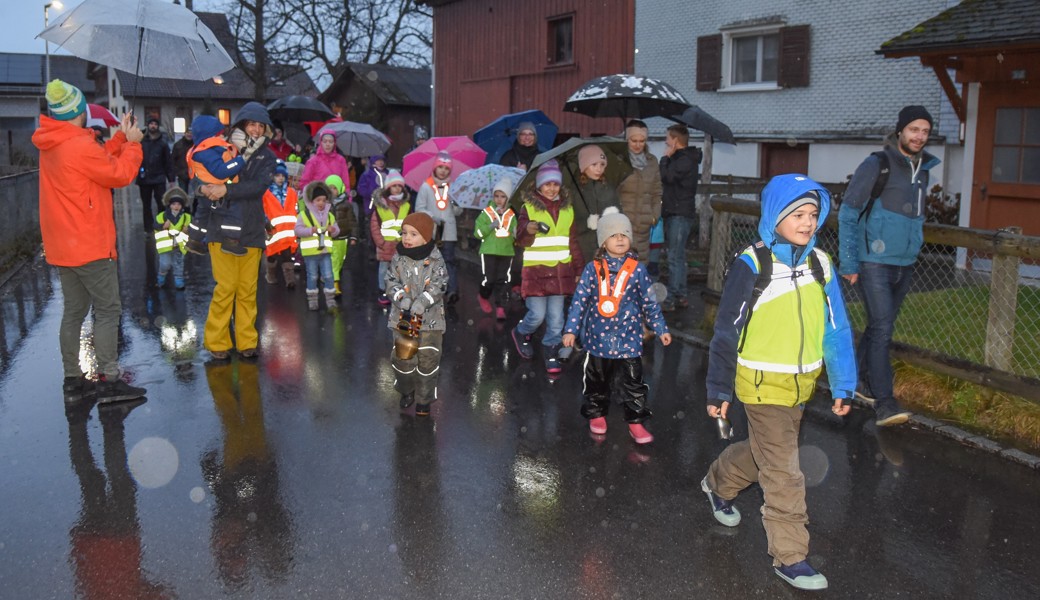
105, 542
251, 526
418, 525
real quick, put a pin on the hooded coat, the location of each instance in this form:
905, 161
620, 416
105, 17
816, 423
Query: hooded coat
371, 180
795, 323
640, 196
321, 164
894, 231
76, 180
540, 280
321, 217
424, 281
252, 182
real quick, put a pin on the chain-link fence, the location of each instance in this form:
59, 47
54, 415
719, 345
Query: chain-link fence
974, 305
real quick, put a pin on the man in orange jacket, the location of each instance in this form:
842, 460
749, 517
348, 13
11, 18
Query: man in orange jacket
79, 233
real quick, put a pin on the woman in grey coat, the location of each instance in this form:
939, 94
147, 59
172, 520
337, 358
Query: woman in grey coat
640, 192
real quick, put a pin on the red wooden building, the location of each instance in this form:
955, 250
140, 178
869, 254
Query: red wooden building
493, 57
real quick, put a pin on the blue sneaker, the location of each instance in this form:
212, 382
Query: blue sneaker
523, 344
160, 281
802, 576
178, 282
723, 510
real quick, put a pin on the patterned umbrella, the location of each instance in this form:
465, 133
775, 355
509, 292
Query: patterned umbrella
473, 189
626, 96
418, 164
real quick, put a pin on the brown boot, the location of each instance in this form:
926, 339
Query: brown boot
289, 274
271, 272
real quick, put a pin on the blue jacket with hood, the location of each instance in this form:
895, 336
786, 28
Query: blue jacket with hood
799, 329
893, 232
207, 126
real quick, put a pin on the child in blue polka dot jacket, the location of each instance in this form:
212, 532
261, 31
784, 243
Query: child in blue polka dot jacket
612, 303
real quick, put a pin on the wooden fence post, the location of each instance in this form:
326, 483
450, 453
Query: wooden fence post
718, 254
1003, 303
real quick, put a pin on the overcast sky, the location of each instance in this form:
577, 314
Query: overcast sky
23, 19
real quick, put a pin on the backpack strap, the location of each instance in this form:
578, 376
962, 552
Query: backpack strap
764, 256
816, 267
884, 168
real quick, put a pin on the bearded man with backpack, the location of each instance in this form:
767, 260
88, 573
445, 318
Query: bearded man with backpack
880, 233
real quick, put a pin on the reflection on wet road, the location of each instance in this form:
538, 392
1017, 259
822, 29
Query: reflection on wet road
297, 476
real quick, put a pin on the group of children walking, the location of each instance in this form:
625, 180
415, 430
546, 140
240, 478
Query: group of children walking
770, 363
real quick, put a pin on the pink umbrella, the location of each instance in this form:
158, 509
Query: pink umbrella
418, 164
99, 116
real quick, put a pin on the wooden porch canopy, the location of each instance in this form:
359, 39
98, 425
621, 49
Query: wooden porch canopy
982, 40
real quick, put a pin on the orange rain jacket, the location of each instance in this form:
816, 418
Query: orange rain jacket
76, 179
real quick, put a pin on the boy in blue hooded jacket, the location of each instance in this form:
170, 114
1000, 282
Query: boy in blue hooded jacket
771, 362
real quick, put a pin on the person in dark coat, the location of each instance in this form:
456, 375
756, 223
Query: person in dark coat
180, 160
237, 276
156, 171
678, 208
524, 149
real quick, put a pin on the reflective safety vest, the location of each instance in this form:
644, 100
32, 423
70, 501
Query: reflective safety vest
282, 220
319, 243
783, 350
552, 248
440, 193
166, 239
504, 221
390, 224
195, 169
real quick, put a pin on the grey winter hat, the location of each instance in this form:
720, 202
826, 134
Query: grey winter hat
810, 197
610, 223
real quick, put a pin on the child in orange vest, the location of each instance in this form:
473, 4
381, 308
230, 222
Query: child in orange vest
280, 208
213, 160
611, 304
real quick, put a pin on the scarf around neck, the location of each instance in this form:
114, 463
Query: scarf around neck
417, 253
638, 160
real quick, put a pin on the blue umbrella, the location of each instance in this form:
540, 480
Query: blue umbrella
497, 137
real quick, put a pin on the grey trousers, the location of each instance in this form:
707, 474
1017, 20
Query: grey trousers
420, 373
95, 284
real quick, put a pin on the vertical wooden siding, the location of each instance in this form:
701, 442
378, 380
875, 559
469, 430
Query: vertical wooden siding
490, 59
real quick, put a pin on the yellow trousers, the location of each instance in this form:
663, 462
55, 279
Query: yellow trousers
233, 297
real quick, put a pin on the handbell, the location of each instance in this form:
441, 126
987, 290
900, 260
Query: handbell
405, 346
725, 428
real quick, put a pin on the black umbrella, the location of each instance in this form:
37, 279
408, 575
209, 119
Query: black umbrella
297, 109
696, 118
619, 166
626, 96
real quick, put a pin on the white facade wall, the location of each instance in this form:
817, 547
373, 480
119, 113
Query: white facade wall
853, 97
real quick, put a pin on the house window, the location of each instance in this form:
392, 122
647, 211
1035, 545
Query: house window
224, 116
754, 58
561, 41
1016, 145
766, 56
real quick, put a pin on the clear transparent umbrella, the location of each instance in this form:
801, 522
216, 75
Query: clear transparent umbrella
151, 38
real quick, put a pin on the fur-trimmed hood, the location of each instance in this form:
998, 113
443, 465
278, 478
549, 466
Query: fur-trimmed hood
538, 201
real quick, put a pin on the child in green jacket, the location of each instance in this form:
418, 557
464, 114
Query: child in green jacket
496, 226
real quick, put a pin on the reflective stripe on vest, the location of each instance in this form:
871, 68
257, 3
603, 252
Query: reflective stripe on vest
319, 243
505, 220
166, 239
552, 248
281, 214
195, 168
440, 193
390, 224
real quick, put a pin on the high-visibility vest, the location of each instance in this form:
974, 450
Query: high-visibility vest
440, 193
283, 221
552, 248
504, 221
318, 243
390, 224
166, 239
195, 169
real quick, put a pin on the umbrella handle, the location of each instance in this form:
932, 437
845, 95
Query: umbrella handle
577, 187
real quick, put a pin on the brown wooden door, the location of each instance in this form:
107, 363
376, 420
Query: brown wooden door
1006, 184
778, 159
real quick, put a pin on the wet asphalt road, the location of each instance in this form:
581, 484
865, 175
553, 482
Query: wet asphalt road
297, 476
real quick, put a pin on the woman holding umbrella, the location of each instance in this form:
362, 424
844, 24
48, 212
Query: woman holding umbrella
524, 149
324, 162
595, 195
640, 192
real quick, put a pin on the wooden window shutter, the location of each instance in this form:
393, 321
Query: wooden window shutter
709, 62
794, 56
